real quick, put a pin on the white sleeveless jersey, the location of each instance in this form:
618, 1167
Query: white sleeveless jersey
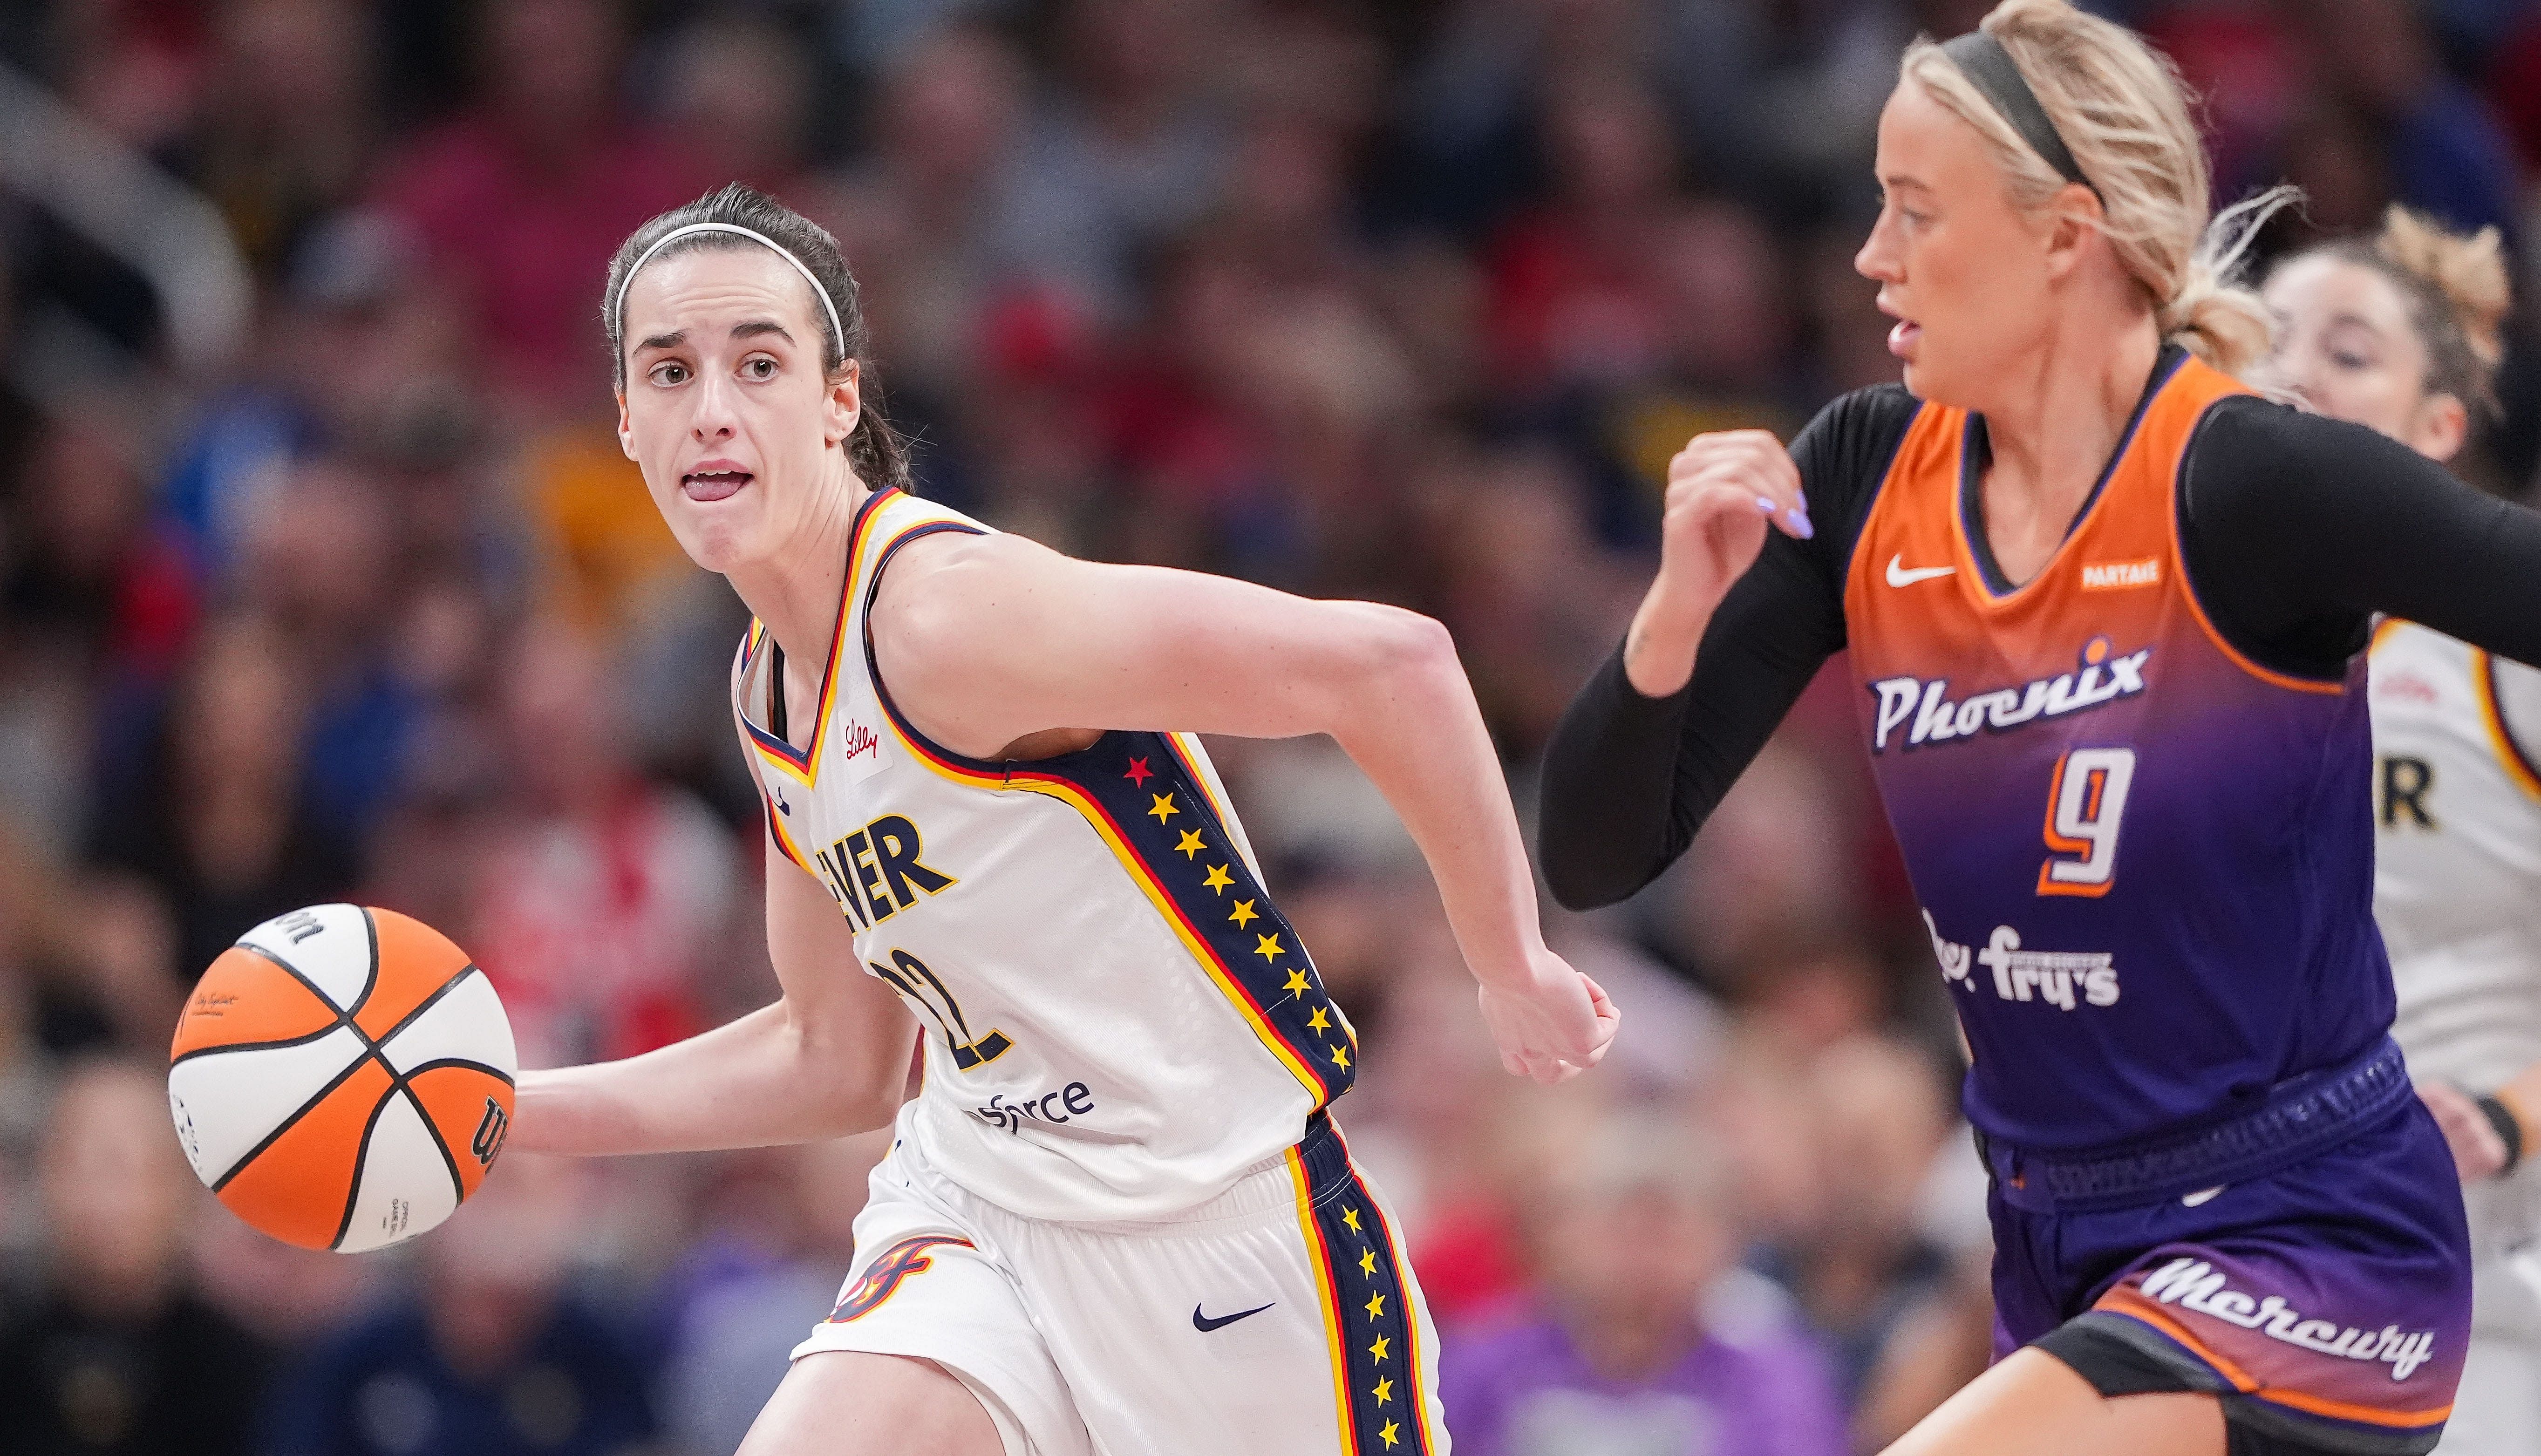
1117, 1021
2457, 877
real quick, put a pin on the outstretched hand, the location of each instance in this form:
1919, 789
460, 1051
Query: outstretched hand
1553, 1024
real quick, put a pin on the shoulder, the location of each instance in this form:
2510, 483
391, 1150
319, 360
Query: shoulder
1852, 438
946, 591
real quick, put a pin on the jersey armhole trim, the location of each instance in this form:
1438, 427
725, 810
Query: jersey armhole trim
2188, 577
2519, 762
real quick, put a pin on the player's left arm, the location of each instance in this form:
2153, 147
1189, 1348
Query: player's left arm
987, 640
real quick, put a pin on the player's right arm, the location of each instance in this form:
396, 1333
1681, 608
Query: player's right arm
829, 1058
1746, 605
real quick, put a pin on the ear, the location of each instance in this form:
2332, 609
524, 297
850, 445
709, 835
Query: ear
2441, 428
2073, 222
844, 406
625, 429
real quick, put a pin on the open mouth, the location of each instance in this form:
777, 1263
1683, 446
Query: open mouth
713, 484
1902, 338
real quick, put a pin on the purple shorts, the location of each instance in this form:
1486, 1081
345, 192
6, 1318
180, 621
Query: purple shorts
2327, 1303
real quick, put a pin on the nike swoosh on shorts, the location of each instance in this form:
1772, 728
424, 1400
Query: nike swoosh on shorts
1205, 1324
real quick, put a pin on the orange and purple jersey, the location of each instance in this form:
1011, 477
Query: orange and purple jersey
2146, 861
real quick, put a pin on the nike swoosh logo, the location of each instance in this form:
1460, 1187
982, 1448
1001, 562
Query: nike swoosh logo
1205, 1324
1900, 576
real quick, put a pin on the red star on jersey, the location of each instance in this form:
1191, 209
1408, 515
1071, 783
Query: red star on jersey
1139, 773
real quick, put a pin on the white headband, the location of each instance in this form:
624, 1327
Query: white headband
618, 309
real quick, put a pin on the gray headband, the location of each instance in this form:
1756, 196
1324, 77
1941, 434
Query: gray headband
1989, 67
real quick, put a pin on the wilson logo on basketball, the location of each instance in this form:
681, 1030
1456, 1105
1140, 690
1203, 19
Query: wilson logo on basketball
883, 1276
2106, 576
491, 1130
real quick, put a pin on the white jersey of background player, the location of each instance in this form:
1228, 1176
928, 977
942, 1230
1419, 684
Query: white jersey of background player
2400, 333
1115, 1217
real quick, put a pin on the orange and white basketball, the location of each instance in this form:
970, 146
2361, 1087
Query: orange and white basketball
343, 1077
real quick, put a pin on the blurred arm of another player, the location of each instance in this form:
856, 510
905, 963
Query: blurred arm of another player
829, 1058
2476, 1128
989, 640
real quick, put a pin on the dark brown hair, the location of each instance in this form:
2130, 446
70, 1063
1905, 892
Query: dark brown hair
877, 451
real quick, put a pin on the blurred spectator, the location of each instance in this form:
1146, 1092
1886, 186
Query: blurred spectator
1126, 153
116, 1353
1644, 1339
2441, 151
289, 120
492, 1358
520, 201
324, 564
604, 896
1875, 1119
779, 1237
217, 820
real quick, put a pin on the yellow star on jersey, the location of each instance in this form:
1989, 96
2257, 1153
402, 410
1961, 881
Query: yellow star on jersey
1386, 1430
1269, 949
1378, 1349
1384, 1390
1297, 983
1191, 845
1350, 1217
1243, 913
1218, 879
1164, 809
1319, 1021
1341, 1058
1375, 1306
1367, 1263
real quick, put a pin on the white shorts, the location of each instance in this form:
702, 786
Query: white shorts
1278, 1319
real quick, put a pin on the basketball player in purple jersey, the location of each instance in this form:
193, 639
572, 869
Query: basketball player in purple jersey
2106, 610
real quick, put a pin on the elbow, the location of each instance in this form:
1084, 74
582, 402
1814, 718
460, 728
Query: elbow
1400, 647
1575, 886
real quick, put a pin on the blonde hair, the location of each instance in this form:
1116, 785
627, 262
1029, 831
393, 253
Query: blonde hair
2457, 293
2122, 112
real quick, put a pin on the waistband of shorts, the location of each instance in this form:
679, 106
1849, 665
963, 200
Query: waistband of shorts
1266, 1190
2301, 1115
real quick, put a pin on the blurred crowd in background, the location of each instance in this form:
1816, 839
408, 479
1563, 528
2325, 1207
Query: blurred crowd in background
1407, 299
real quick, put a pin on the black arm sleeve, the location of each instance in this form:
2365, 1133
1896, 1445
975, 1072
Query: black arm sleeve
1628, 780
2297, 529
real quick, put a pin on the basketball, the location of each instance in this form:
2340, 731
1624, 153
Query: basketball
341, 1077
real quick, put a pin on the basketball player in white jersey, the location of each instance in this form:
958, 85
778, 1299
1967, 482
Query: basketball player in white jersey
2400, 333
1116, 1217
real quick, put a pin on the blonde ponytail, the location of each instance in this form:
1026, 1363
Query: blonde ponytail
2122, 112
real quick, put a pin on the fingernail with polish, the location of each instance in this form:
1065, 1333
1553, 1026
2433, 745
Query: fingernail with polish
1799, 516
1765, 504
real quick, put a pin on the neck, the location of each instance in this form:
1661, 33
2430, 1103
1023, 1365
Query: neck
2055, 429
796, 592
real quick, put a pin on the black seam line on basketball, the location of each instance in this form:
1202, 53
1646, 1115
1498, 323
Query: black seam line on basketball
370, 981
430, 1001
439, 1144
343, 1015
321, 1034
288, 1123
362, 1150
439, 1063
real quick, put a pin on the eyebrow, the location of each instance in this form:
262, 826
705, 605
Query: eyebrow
752, 328
670, 341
